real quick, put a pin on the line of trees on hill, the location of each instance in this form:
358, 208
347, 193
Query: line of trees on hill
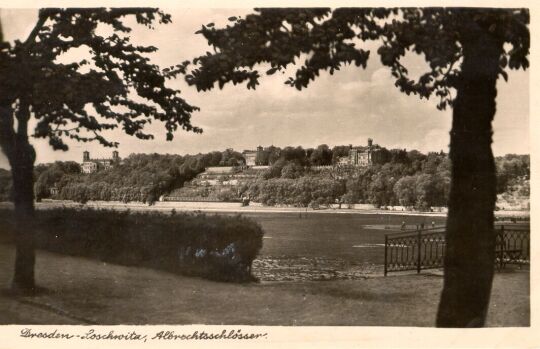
140, 177
417, 180
323, 155
397, 177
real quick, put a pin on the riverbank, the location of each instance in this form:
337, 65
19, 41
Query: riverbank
232, 207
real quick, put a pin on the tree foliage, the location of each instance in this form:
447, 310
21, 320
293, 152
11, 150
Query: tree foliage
330, 39
139, 177
113, 85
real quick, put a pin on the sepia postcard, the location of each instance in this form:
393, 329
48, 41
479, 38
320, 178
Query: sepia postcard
253, 174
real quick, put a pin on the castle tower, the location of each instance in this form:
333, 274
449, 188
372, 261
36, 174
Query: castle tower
86, 156
369, 151
115, 156
259, 155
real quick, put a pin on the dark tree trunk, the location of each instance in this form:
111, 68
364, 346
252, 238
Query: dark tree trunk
21, 156
23, 197
470, 241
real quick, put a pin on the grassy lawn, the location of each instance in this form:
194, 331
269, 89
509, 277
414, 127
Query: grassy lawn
81, 290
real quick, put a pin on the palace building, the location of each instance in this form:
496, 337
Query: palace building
359, 156
251, 156
90, 165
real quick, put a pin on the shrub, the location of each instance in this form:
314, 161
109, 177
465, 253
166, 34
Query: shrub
215, 247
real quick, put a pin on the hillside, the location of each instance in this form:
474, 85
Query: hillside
289, 176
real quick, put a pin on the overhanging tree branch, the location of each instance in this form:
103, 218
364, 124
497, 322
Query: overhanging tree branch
42, 18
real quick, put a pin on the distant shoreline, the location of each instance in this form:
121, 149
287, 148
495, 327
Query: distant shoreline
224, 207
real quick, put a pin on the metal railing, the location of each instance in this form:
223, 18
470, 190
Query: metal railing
414, 250
424, 248
513, 245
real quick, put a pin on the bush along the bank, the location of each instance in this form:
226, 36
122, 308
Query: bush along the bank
215, 247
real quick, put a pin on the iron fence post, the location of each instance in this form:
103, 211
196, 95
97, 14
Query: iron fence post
419, 243
385, 254
503, 245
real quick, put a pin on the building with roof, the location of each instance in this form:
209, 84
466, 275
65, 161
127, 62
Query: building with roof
90, 165
359, 156
251, 156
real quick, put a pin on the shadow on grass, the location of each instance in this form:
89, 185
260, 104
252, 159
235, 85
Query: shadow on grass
364, 295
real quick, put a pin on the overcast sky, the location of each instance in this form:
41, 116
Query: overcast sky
346, 108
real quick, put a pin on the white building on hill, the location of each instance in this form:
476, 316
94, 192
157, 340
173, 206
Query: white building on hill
89, 165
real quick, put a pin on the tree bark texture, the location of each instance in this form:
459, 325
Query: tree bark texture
23, 197
470, 237
21, 156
